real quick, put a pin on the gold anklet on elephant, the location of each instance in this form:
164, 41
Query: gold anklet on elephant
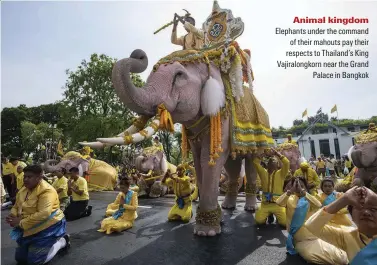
208, 218
251, 189
232, 188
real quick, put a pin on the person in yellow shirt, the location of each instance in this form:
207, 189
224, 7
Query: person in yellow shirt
182, 209
78, 188
321, 167
9, 178
193, 40
20, 177
328, 196
348, 164
290, 140
157, 144
311, 177
360, 242
125, 214
272, 182
61, 187
39, 226
300, 206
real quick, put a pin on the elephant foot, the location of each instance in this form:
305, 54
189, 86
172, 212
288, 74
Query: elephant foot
251, 203
229, 201
208, 222
203, 230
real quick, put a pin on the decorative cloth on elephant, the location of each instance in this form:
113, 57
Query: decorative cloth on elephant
122, 216
368, 136
250, 128
182, 209
307, 245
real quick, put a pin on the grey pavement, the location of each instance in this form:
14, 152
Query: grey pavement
153, 240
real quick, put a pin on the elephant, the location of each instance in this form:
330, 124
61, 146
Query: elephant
225, 179
153, 162
292, 152
102, 176
364, 156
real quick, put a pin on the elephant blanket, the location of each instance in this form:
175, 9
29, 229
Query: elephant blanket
249, 127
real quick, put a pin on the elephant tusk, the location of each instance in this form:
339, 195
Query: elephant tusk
137, 125
96, 145
134, 138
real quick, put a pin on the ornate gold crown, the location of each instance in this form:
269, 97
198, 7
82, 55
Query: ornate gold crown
369, 136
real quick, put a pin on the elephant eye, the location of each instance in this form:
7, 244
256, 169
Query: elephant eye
178, 75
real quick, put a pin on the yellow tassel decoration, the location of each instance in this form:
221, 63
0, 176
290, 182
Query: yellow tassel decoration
166, 121
219, 133
212, 147
184, 144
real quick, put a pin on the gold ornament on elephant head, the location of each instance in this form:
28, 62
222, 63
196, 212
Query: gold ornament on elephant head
369, 136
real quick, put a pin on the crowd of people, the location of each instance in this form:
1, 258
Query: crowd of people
316, 216
330, 166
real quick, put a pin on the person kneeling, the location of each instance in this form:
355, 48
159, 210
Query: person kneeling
272, 181
127, 203
78, 188
39, 226
300, 206
360, 243
61, 187
182, 209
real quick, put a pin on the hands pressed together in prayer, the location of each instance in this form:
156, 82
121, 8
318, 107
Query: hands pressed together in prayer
360, 197
12, 220
296, 188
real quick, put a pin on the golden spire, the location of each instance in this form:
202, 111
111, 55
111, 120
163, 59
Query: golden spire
215, 7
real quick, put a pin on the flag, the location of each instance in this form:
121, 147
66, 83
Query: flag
305, 113
335, 108
60, 148
319, 111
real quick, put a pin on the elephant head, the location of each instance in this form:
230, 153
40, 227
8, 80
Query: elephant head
72, 159
291, 151
156, 162
364, 157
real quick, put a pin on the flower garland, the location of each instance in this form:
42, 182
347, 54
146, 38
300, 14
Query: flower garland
216, 138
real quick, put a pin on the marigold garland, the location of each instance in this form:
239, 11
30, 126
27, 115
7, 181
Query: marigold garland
215, 141
184, 144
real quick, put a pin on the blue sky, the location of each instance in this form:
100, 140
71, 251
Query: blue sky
40, 40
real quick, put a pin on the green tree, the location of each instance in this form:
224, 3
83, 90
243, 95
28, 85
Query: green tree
91, 108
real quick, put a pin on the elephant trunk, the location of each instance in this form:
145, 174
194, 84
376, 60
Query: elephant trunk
48, 167
139, 100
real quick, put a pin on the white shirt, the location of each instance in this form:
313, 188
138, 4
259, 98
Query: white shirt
331, 164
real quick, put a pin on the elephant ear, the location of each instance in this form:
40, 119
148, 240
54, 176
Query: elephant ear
212, 97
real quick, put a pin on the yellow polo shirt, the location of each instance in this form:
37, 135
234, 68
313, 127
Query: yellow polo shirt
20, 180
61, 183
81, 184
7, 168
320, 164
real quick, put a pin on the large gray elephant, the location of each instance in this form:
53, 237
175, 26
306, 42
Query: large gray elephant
101, 176
364, 157
153, 165
181, 89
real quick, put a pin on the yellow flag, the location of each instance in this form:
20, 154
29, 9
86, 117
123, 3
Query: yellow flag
60, 148
305, 113
335, 108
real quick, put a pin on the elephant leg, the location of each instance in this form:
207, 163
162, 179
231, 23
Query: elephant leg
208, 214
156, 190
233, 168
251, 185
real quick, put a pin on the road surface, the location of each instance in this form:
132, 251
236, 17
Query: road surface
155, 241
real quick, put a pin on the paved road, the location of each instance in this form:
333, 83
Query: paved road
153, 240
